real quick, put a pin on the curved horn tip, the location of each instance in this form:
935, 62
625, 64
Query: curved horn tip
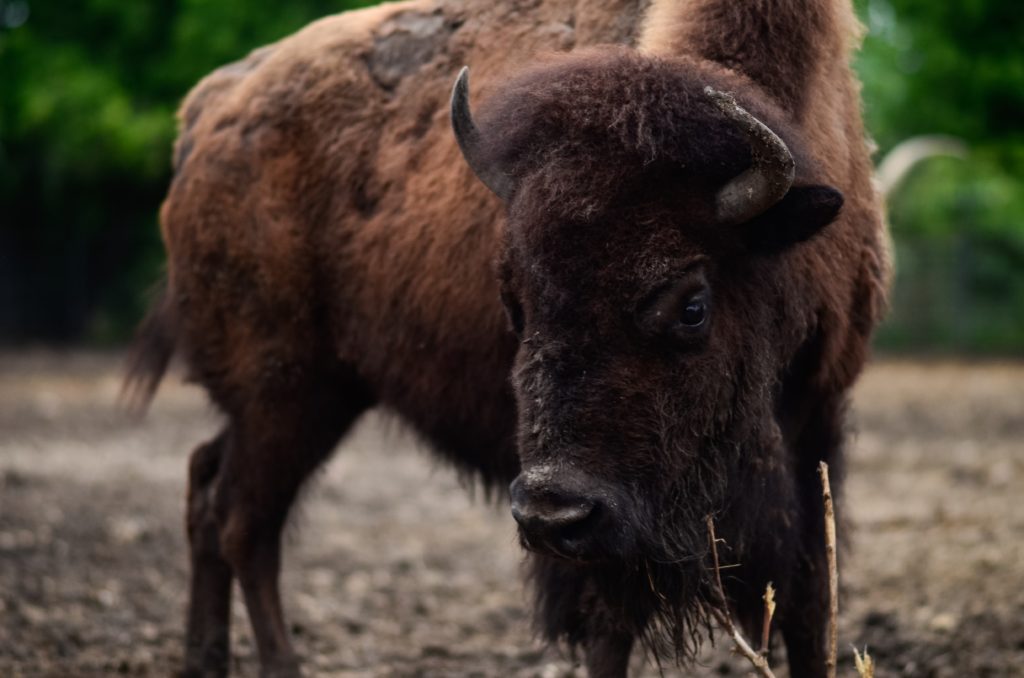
458, 109
461, 87
718, 96
727, 104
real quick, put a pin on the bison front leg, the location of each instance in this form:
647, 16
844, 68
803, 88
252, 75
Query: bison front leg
568, 609
804, 618
607, 655
805, 621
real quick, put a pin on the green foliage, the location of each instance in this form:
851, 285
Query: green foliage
950, 67
88, 92
958, 225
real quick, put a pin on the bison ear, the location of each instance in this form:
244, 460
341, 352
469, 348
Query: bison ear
799, 216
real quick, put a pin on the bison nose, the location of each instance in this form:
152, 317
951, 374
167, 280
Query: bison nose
554, 520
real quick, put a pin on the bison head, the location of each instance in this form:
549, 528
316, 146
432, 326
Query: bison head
648, 267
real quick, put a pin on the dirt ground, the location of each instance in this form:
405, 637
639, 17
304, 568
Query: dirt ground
394, 570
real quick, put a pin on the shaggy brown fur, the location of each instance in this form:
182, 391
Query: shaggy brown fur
329, 251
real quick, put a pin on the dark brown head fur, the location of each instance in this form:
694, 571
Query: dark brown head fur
652, 424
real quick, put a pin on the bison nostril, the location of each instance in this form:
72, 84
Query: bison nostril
549, 519
580, 528
558, 522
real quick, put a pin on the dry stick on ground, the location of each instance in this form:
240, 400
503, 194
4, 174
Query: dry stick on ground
724, 618
769, 612
833, 571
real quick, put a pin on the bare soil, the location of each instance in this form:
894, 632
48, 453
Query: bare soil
393, 569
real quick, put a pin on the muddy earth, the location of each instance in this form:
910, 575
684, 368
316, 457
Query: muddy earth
395, 569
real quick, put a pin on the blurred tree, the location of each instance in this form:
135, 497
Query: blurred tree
87, 98
952, 68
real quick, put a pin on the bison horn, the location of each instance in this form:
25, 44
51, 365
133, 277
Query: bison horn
769, 176
468, 136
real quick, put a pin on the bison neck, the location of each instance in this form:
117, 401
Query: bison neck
786, 46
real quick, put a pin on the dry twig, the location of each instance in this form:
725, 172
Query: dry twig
724, 618
769, 612
833, 572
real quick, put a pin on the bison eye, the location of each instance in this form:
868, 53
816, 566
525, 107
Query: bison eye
694, 312
514, 312
677, 312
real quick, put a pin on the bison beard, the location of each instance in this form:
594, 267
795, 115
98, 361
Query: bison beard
660, 592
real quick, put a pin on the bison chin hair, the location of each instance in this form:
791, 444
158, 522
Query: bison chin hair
707, 456
660, 594
662, 604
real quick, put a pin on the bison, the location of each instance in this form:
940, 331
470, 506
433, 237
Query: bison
646, 308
